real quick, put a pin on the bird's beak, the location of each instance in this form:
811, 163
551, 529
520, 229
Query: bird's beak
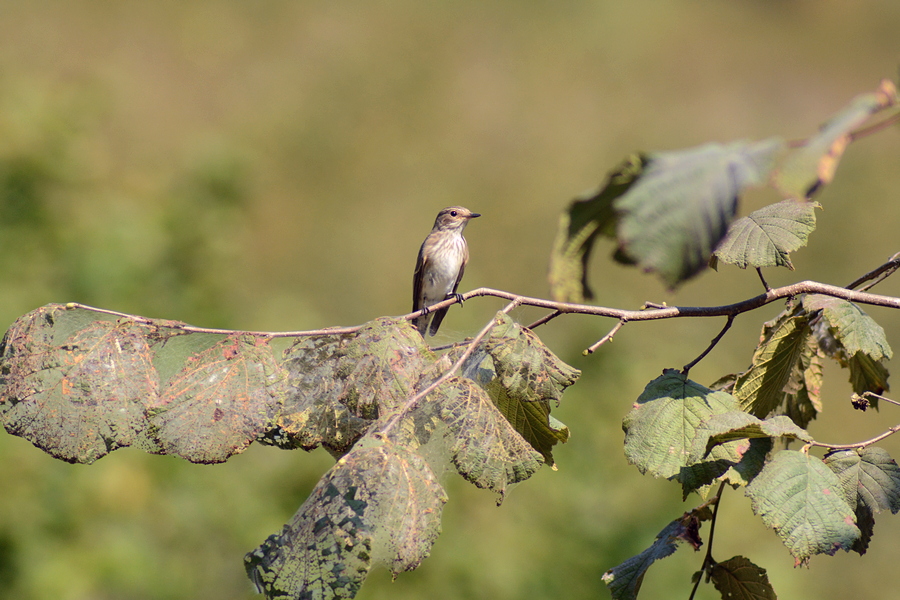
473, 215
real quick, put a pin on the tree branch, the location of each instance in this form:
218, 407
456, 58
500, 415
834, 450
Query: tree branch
651, 313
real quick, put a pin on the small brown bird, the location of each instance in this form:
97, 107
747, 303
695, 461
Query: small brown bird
440, 266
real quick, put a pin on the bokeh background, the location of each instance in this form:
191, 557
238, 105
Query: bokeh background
275, 165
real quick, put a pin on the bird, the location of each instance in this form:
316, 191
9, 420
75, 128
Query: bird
440, 266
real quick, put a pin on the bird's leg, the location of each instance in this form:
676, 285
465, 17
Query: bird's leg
459, 298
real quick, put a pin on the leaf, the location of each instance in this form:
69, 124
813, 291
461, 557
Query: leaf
868, 475
870, 482
674, 216
761, 389
586, 218
853, 329
736, 463
660, 429
485, 448
767, 236
800, 498
853, 339
222, 399
378, 504
624, 581
75, 387
809, 167
337, 386
867, 375
739, 579
526, 378
735, 425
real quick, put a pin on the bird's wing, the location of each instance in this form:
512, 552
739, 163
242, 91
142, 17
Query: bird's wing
419, 281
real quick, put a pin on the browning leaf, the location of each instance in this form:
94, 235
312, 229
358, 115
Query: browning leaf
378, 504
218, 404
76, 388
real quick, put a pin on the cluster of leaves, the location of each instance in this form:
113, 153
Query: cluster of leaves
701, 436
79, 384
674, 212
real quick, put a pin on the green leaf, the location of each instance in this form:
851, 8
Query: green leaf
809, 167
218, 404
485, 448
853, 329
766, 237
867, 475
586, 218
75, 386
624, 581
378, 504
660, 429
739, 579
736, 463
867, 375
673, 217
800, 498
522, 377
870, 482
761, 389
735, 425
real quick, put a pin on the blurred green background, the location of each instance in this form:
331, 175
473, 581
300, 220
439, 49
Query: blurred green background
275, 165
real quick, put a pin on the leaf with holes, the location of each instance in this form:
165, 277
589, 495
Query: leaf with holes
220, 401
75, 386
378, 504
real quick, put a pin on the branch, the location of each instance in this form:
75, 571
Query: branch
649, 312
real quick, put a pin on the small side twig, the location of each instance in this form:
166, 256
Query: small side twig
712, 344
545, 319
606, 338
763, 279
877, 275
891, 431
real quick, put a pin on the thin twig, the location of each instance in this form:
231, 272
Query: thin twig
878, 274
712, 344
880, 397
874, 127
763, 279
545, 319
608, 337
891, 431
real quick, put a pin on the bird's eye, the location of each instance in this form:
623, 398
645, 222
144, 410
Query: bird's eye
452, 213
